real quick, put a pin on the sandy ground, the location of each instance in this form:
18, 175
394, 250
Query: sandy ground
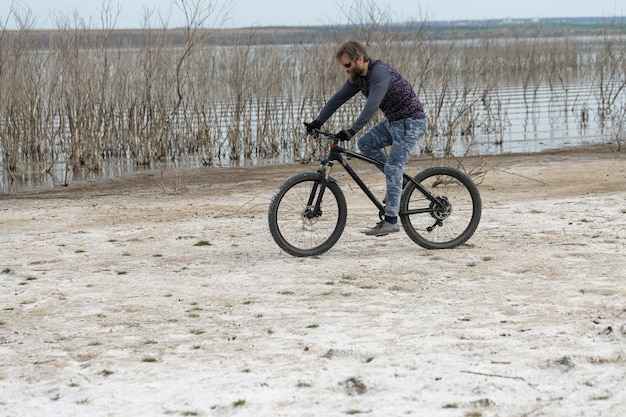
118, 298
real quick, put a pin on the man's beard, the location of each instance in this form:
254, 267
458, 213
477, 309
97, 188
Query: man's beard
354, 75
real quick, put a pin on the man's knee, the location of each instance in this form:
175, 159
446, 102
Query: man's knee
361, 143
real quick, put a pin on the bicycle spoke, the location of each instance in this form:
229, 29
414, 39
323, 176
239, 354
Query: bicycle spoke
449, 222
298, 227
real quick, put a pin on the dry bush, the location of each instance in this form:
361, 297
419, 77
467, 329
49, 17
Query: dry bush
88, 98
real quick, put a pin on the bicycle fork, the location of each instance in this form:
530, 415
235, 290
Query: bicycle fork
314, 203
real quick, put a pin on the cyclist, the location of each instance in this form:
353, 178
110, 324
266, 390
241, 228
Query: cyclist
404, 126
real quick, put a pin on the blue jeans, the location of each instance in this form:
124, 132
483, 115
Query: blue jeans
402, 136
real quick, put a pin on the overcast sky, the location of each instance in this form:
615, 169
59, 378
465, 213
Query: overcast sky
244, 13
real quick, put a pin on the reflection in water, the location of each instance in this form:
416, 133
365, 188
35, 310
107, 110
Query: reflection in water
552, 119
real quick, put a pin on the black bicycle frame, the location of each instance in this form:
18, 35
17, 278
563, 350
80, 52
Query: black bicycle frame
337, 154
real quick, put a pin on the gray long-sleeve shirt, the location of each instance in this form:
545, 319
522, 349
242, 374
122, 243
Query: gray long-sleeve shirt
385, 88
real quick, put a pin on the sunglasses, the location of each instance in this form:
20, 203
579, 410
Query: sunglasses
349, 63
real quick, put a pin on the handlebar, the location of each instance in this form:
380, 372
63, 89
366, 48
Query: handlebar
330, 135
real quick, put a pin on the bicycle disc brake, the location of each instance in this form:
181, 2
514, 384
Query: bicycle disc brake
310, 213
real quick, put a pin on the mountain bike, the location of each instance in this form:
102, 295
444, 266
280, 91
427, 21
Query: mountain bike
440, 207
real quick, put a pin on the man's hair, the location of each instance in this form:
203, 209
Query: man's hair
353, 49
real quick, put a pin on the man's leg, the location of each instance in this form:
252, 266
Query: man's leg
406, 133
375, 140
402, 136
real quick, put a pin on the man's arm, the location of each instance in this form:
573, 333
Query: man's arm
345, 93
381, 79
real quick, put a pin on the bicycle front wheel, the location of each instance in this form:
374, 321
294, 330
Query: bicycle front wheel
306, 217
449, 221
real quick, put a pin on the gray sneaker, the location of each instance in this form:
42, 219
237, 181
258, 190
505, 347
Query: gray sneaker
383, 228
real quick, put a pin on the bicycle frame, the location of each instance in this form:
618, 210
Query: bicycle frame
337, 154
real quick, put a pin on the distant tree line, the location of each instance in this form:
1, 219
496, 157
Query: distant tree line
276, 35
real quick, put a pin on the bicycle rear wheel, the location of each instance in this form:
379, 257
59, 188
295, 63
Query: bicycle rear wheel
446, 224
294, 223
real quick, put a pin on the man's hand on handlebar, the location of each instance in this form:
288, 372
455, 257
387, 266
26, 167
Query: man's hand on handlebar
313, 127
345, 134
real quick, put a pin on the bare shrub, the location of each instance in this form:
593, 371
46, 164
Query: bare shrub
91, 94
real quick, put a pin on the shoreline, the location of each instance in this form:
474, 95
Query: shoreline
192, 175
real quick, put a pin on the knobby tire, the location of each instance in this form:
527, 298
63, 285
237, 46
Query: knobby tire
291, 225
441, 228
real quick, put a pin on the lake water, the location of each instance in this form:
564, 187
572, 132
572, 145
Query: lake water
553, 118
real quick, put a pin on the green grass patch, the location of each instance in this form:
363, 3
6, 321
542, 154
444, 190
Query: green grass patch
346, 278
